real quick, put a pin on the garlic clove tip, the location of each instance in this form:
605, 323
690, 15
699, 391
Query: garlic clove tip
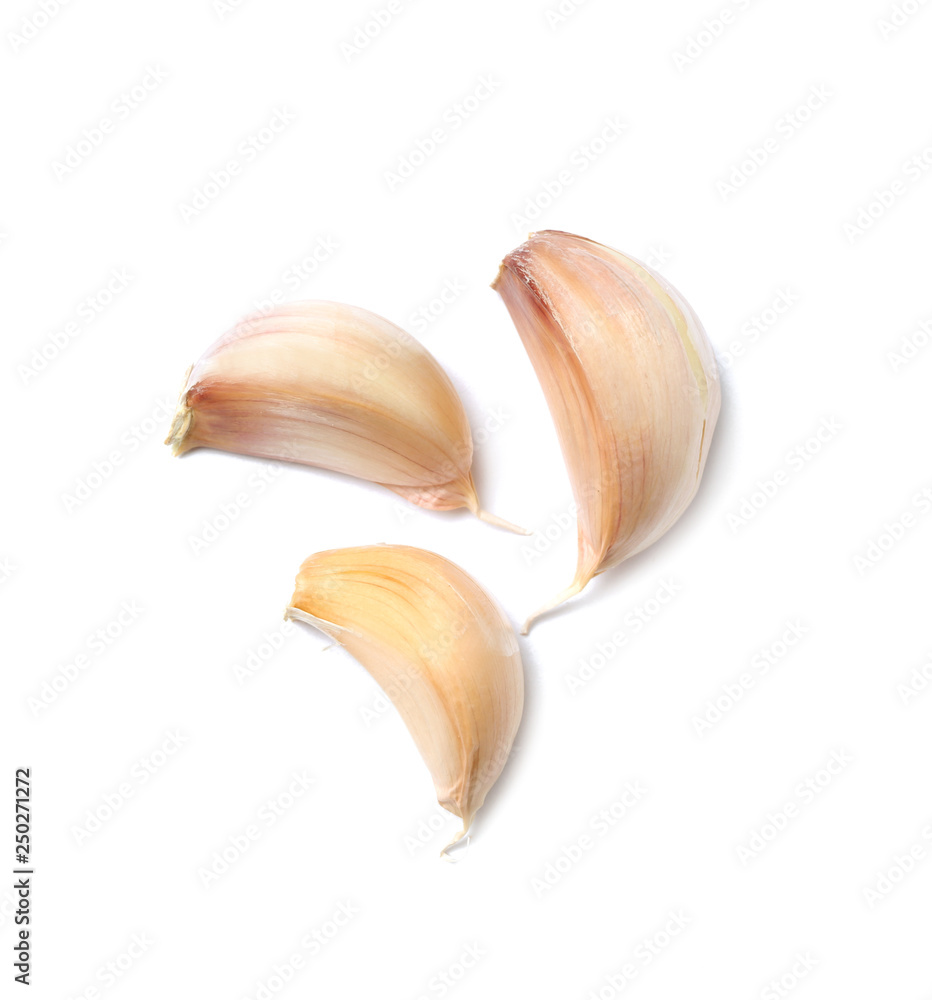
500, 522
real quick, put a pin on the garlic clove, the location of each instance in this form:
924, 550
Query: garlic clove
631, 381
437, 644
337, 387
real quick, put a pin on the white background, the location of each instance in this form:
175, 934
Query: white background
679, 187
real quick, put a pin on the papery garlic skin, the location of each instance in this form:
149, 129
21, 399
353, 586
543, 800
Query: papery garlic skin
437, 644
338, 387
631, 381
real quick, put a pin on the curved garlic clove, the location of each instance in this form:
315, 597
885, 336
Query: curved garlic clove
441, 647
337, 387
631, 381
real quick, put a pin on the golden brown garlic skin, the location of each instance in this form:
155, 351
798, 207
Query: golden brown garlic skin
438, 644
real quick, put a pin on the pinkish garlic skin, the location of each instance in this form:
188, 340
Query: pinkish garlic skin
335, 387
631, 381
